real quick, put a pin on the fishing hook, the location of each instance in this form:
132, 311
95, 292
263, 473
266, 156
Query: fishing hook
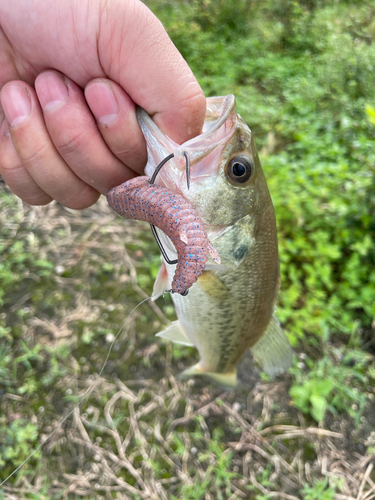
153, 229
163, 162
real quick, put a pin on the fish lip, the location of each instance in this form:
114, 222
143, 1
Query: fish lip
220, 121
229, 101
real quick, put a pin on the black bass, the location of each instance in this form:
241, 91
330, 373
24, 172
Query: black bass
231, 305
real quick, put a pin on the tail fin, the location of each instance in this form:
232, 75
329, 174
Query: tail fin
273, 351
226, 381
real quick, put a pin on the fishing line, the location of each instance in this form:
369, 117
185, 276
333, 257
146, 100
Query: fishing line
87, 393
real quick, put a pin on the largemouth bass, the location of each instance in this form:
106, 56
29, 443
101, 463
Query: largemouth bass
231, 305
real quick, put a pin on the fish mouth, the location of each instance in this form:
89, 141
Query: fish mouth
204, 151
218, 109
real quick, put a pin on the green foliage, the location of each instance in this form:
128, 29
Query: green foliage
326, 237
263, 478
335, 385
19, 261
302, 72
217, 477
312, 397
16, 441
26, 370
321, 490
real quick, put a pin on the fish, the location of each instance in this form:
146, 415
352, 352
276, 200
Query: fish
231, 305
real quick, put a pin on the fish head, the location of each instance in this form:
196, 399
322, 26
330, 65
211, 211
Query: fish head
227, 182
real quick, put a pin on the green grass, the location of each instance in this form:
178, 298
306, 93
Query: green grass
338, 383
302, 72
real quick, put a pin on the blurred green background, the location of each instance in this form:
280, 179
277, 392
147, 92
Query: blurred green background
303, 75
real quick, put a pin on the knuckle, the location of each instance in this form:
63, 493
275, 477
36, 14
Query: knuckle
69, 144
33, 157
7, 167
124, 150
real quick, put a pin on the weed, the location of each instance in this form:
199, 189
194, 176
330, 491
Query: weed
321, 489
336, 385
217, 477
16, 441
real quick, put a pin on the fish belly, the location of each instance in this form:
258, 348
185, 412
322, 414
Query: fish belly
220, 324
228, 310
210, 326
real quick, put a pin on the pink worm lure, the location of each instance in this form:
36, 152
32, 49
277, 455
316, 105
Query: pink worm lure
139, 199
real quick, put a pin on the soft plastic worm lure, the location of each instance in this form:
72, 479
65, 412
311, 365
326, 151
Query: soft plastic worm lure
141, 200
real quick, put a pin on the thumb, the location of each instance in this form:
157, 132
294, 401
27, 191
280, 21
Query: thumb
135, 51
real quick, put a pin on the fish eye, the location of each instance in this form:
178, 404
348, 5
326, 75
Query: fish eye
240, 169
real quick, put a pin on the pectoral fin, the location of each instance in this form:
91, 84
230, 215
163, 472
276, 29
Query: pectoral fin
161, 282
213, 286
214, 254
273, 351
176, 334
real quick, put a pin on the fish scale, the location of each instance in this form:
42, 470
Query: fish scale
231, 306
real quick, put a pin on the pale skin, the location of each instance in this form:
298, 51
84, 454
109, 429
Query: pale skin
71, 75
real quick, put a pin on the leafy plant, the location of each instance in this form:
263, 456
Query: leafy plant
312, 397
321, 490
16, 441
332, 385
217, 476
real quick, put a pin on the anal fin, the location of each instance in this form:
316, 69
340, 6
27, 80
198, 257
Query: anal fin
176, 334
273, 351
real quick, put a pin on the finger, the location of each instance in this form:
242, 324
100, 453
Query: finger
116, 119
150, 68
15, 174
36, 150
75, 134
117, 39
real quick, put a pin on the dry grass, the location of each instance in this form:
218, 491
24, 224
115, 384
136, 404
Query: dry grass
142, 434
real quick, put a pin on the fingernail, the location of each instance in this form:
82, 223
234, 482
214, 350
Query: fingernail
16, 103
102, 102
51, 90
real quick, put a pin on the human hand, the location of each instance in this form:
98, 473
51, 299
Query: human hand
71, 75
